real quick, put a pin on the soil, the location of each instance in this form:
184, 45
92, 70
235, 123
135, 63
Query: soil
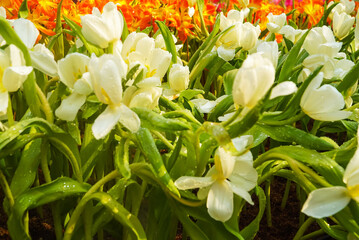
285, 223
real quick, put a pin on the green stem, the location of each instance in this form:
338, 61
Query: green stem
10, 115
303, 228
163, 139
271, 172
316, 126
232, 118
44, 162
286, 194
45, 105
268, 205
313, 235
46, 172
78, 210
284, 122
313, 174
6, 188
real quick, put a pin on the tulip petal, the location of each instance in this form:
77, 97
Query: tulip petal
325, 202
243, 142
226, 54
241, 192
106, 121
185, 182
283, 89
330, 116
72, 67
353, 165
70, 106
220, 201
129, 119
244, 175
43, 60
27, 31
14, 77
95, 30
4, 101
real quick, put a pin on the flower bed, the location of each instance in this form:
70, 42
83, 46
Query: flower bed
135, 120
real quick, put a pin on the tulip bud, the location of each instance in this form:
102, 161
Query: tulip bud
103, 29
342, 23
249, 35
178, 77
276, 22
253, 80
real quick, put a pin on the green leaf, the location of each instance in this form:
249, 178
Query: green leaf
121, 160
39, 196
193, 230
26, 170
220, 108
228, 79
152, 154
291, 60
23, 10
68, 146
167, 36
324, 18
325, 166
250, 231
120, 213
350, 79
294, 135
152, 120
208, 40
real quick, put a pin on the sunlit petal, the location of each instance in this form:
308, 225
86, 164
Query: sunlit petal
325, 202
70, 106
220, 201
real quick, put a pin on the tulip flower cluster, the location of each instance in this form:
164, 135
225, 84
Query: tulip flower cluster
155, 131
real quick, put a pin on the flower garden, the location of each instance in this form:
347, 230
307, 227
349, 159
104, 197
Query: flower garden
168, 119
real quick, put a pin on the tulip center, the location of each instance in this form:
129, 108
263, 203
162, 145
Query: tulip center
2, 88
354, 191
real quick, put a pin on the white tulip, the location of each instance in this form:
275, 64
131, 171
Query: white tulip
233, 17
154, 61
228, 42
325, 202
249, 35
13, 73
349, 6
276, 22
342, 67
3, 12
320, 40
142, 97
129, 45
253, 80
270, 51
73, 71
339, 8
107, 72
291, 34
323, 102
230, 174
43, 59
178, 77
342, 24
103, 29
314, 61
